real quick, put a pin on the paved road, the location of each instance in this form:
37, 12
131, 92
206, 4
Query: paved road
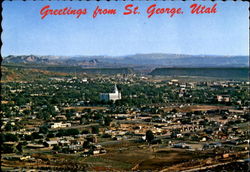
75, 127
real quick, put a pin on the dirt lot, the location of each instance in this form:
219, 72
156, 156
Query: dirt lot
80, 108
197, 108
144, 157
119, 157
126, 156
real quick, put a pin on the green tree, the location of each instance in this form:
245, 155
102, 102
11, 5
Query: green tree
174, 110
7, 148
107, 121
11, 137
70, 113
149, 136
50, 135
85, 132
95, 129
19, 147
56, 148
86, 144
36, 135
28, 137
72, 132
8, 127
43, 129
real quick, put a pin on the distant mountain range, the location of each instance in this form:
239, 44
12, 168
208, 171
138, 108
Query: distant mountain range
49, 60
138, 60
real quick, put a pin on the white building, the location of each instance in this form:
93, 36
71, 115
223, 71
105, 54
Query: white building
223, 98
111, 96
60, 125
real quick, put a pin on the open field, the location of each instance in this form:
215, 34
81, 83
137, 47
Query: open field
197, 108
80, 108
126, 156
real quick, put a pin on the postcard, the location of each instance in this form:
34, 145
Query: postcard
125, 86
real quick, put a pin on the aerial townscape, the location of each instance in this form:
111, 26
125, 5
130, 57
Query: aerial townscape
125, 86
112, 119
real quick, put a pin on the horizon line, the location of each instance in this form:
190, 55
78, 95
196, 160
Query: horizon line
114, 56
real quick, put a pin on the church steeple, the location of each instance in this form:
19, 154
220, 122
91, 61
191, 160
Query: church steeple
116, 90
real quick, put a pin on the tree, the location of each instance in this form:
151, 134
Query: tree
149, 136
69, 132
97, 116
72, 131
27, 112
36, 135
174, 110
85, 132
86, 144
11, 137
28, 137
56, 148
106, 135
43, 114
70, 113
7, 148
8, 127
95, 130
19, 147
20, 100
43, 129
107, 121
60, 133
50, 135
2, 138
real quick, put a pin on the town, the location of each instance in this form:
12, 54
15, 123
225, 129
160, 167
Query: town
124, 122
144, 86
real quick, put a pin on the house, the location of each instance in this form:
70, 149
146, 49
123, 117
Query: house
64, 142
60, 125
35, 146
97, 149
211, 145
223, 98
96, 152
61, 118
50, 143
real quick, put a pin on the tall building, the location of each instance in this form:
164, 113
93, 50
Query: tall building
111, 96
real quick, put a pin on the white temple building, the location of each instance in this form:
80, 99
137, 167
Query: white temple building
111, 96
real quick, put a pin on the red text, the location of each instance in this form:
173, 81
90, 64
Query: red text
65, 11
103, 11
153, 10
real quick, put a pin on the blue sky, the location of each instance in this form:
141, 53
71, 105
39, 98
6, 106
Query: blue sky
223, 33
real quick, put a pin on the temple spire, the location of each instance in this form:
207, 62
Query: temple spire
116, 90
